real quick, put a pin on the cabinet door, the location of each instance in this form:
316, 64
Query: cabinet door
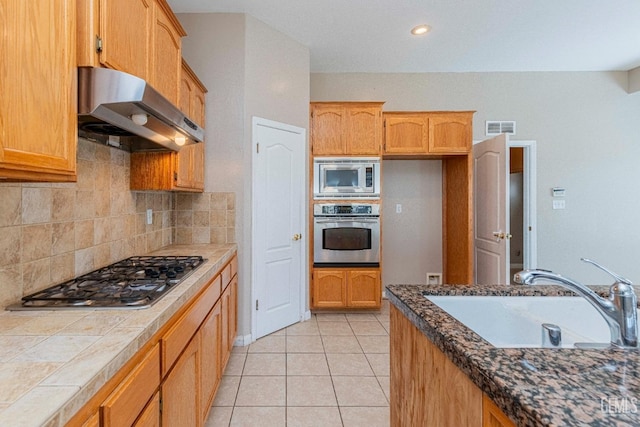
363, 289
225, 345
184, 165
329, 288
181, 389
233, 312
406, 134
126, 47
450, 133
130, 398
327, 130
150, 417
364, 130
210, 371
38, 90
166, 56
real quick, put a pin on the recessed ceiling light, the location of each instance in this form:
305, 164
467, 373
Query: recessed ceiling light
420, 30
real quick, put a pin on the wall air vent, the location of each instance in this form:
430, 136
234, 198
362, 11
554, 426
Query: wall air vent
496, 127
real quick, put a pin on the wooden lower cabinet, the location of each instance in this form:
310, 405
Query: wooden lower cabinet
174, 379
210, 358
129, 399
427, 389
181, 389
346, 288
150, 417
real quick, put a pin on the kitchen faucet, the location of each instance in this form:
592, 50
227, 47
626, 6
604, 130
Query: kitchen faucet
619, 311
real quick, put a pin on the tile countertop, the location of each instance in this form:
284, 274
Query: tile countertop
535, 387
52, 362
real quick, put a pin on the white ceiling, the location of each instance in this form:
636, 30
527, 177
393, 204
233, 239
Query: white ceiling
466, 35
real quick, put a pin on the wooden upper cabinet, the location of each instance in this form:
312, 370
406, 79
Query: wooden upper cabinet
427, 133
184, 170
166, 66
346, 128
139, 37
406, 133
38, 91
125, 34
450, 132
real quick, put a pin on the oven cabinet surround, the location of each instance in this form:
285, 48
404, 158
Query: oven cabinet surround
427, 389
139, 37
345, 288
427, 133
38, 130
346, 128
173, 379
171, 171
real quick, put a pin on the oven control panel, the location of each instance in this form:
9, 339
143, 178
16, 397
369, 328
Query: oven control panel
355, 209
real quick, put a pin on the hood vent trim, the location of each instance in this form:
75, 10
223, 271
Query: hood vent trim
107, 100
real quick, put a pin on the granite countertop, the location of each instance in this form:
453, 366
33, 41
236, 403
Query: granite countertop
53, 362
533, 386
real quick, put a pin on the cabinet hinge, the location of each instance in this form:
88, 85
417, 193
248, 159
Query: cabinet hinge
256, 305
98, 44
160, 404
175, 176
258, 148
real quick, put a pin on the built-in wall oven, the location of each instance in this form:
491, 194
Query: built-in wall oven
346, 235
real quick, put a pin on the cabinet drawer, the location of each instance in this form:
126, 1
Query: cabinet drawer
226, 276
234, 266
177, 338
127, 401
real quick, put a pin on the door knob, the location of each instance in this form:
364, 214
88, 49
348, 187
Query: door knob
297, 236
501, 235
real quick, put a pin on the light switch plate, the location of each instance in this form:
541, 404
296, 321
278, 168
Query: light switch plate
149, 216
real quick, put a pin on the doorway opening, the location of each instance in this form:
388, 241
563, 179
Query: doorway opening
522, 207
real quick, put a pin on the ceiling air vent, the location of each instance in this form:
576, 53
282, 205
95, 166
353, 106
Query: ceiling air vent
496, 128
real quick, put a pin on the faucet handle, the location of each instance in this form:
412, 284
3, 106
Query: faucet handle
616, 276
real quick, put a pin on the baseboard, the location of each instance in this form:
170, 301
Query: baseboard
242, 340
306, 315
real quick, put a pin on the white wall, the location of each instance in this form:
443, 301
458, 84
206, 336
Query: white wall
249, 70
587, 129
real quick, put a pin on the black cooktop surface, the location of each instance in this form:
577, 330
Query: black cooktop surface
135, 282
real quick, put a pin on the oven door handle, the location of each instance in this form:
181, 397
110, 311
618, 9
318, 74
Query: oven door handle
363, 221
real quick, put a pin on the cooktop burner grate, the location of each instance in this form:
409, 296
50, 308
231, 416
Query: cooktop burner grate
135, 282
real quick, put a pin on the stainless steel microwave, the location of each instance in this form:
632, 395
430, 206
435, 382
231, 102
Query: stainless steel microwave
346, 177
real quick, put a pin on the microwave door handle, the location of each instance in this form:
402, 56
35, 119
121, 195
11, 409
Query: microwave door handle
365, 221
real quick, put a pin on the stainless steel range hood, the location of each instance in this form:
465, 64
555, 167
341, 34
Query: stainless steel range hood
124, 111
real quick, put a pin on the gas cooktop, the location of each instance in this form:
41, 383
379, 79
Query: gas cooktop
136, 282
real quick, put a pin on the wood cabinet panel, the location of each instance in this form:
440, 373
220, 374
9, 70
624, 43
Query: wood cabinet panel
38, 124
150, 417
126, 47
427, 133
450, 133
210, 356
363, 289
406, 133
166, 55
181, 388
327, 125
329, 289
129, 399
346, 128
492, 416
175, 340
346, 288
426, 387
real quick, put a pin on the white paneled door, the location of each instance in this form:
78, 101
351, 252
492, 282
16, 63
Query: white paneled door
278, 225
491, 211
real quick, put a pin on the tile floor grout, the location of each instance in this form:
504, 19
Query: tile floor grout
281, 379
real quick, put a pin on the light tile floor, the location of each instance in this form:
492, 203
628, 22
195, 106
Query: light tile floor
329, 371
